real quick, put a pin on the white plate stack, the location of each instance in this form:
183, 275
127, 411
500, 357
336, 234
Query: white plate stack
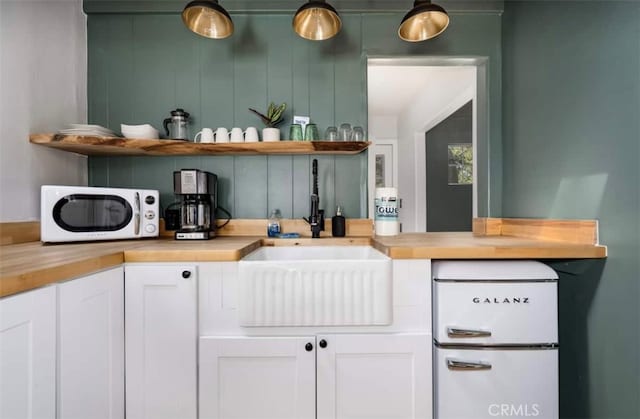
88, 130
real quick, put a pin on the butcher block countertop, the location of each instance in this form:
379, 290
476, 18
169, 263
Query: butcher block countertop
31, 265
468, 246
26, 266
220, 249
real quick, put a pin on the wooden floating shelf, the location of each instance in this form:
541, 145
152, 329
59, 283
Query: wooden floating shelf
116, 146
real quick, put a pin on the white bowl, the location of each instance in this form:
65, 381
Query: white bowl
139, 131
142, 127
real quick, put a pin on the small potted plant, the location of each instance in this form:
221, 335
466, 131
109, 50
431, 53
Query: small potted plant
271, 119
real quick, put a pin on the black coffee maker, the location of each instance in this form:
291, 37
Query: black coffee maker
197, 192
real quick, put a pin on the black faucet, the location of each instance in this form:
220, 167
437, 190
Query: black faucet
316, 218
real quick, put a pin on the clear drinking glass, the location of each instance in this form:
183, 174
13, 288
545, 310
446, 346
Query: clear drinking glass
331, 134
344, 133
357, 134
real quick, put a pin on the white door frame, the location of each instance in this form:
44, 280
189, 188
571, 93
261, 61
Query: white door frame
480, 129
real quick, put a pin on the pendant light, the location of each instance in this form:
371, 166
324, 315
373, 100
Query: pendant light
207, 18
424, 21
316, 20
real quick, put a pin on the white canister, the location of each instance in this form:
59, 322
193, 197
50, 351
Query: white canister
386, 212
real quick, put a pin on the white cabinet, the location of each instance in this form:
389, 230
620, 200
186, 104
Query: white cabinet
91, 347
28, 355
257, 378
351, 376
353, 371
374, 376
160, 311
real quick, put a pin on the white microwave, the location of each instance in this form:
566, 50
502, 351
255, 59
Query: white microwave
81, 213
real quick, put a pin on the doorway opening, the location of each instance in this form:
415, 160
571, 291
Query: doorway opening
408, 97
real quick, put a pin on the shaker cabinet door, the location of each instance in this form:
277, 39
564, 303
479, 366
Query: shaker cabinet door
91, 347
257, 378
161, 339
374, 376
28, 355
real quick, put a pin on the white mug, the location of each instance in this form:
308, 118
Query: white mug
206, 136
222, 135
251, 135
237, 136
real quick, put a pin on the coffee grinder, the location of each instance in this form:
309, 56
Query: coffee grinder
197, 193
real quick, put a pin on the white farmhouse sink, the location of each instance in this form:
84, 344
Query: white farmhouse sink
315, 286
311, 253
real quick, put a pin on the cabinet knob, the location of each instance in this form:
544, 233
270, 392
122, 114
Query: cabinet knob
323, 343
186, 274
308, 347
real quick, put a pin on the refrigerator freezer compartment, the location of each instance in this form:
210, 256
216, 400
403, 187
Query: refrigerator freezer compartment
490, 383
493, 309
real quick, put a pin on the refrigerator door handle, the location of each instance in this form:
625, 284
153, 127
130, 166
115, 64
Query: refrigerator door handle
455, 365
454, 332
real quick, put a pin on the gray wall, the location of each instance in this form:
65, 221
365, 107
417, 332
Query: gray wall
571, 125
142, 65
43, 78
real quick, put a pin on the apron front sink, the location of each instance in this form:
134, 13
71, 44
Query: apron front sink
315, 286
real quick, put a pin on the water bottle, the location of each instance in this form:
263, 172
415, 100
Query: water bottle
273, 227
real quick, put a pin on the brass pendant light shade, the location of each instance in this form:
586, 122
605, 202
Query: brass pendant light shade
424, 21
316, 20
207, 18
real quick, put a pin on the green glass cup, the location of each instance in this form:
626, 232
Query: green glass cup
295, 132
311, 133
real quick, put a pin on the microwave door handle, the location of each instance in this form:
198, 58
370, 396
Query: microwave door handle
136, 216
454, 332
455, 365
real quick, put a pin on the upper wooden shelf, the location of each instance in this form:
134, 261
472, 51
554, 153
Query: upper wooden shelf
116, 146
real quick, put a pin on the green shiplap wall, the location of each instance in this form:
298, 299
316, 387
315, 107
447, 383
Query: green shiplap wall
143, 65
572, 145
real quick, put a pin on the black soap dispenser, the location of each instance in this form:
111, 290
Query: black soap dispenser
338, 227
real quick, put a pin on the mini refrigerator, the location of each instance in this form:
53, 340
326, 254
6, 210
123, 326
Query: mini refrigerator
495, 329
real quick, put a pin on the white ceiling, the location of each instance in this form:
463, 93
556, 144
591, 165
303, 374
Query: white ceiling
392, 88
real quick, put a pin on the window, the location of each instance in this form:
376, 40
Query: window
460, 164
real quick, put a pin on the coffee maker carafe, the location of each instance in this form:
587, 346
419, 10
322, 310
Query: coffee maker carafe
197, 192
